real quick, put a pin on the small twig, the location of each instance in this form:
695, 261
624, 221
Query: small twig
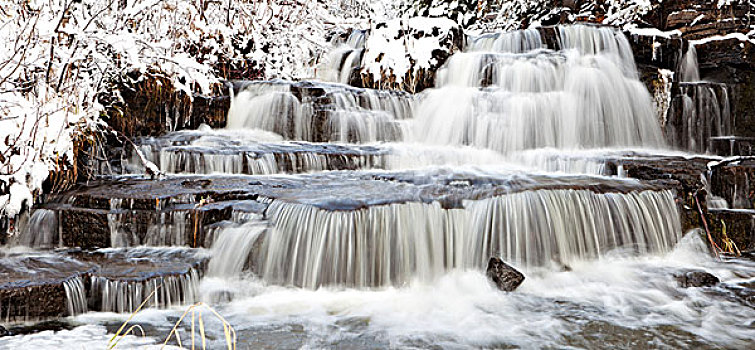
713, 244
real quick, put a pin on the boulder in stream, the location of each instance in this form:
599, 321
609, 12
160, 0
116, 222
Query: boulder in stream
505, 277
696, 279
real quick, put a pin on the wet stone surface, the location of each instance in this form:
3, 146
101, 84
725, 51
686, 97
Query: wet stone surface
505, 277
32, 285
691, 279
345, 190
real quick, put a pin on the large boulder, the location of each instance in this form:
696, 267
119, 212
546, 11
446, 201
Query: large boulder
505, 277
696, 279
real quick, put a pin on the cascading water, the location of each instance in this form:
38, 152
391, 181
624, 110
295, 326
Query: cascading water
689, 71
341, 62
232, 248
391, 245
75, 296
116, 295
586, 95
41, 231
320, 112
161, 228
701, 111
519, 41
699, 114
249, 152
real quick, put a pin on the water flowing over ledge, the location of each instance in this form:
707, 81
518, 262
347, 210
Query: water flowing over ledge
507, 92
394, 244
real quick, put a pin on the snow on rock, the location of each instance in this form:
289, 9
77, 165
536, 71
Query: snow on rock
403, 53
463, 12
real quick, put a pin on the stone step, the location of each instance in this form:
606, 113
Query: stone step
732, 146
34, 287
184, 210
47, 285
232, 152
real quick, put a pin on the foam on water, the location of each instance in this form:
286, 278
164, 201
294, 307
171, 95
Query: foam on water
623, 299
597, 304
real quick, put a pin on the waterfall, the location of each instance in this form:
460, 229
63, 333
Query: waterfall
519, 41
320, 112
689, 70
233, 247
393, 244
271, 107
75, 295
587, 95
116, 295
228, 152
558, 161
129, 228
41, 231
700, 113
339, 64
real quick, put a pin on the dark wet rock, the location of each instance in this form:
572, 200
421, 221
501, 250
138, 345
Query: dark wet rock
505, 277
691, 279
657, 51
733, 180
734, 225
85, 228
700, 18
732, 146
4, 332
32, 286
36, 327
148, 107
